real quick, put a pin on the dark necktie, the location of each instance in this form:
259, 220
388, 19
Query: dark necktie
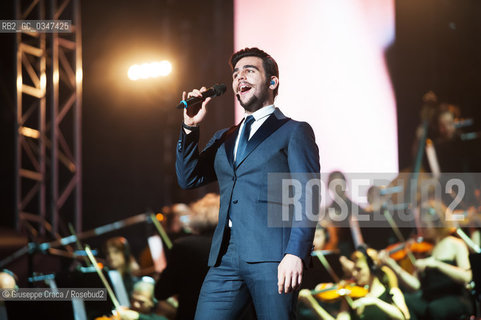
244, 138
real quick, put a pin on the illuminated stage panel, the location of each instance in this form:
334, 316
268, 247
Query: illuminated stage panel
332, 73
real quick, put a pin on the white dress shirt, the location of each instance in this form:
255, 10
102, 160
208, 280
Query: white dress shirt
260, 116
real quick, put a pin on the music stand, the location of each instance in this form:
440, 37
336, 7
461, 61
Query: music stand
87, 278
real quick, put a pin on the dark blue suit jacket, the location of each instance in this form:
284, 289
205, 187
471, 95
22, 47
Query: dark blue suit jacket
280, 145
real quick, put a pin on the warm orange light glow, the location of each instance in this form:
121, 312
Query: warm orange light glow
159, 216
43, 82
79, 75
149, 70
29, 132
100, 265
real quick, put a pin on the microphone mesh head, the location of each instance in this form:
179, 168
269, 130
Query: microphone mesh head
219, 89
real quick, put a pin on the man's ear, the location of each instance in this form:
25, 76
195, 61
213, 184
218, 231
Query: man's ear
273, 82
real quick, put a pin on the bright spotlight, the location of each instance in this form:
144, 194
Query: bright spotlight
149, 70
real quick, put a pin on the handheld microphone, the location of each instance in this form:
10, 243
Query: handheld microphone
213, 91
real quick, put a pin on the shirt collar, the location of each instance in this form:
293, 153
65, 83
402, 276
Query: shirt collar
263, 112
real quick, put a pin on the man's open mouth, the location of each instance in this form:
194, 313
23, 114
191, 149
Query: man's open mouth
244, 88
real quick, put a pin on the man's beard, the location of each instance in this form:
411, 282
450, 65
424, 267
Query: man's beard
255, 102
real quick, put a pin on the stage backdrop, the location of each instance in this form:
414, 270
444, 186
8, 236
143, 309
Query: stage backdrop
333, 73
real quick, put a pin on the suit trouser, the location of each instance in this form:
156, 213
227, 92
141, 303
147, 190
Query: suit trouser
230, 286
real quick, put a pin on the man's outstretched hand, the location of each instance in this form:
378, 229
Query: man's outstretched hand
289, 273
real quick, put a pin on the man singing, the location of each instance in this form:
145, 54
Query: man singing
251, 258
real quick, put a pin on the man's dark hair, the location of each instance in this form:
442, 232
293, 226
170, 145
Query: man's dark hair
269, 64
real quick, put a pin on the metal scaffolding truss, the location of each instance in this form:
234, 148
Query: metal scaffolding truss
48, 137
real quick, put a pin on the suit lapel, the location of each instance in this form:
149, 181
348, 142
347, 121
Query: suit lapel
230, 143
266, 129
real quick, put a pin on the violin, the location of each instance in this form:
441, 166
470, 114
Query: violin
404, 252
112, 317
329, 292
400, 250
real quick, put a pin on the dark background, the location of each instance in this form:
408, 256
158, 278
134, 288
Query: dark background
438, 48
130, 129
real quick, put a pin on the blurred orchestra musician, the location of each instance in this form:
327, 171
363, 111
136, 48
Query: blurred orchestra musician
379, 298
345, 232
376, 231
8, 280
321, 237
325, 245
475, 230
119, 258
173, 224
187, 260
443, 127
174, 220
451, 152
439, 280
142, 302
457, 152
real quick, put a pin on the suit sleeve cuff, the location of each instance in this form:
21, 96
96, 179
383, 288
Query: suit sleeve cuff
301, 249
191, 128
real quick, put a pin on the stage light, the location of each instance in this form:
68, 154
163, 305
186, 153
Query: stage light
149, 70
159, 216
29, 132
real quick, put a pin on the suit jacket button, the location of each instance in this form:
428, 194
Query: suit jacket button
235, 201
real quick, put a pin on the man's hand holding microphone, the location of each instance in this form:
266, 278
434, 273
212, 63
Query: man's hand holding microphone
194, 104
